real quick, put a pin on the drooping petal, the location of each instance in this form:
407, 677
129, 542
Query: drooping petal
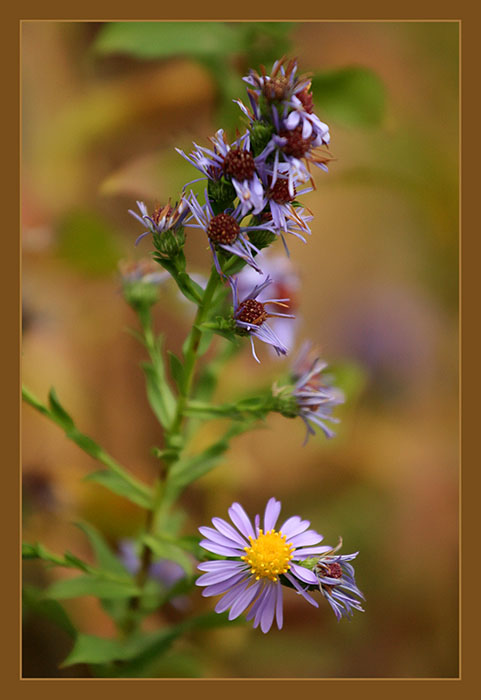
300, 590
304, 574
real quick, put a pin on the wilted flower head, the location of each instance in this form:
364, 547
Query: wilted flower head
225, 232
316, 400
278, 87
166, 218
307, 396
250, 316
284, 285
257, 558
336, 578
234, 162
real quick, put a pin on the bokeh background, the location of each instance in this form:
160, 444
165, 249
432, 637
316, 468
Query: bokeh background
104, 105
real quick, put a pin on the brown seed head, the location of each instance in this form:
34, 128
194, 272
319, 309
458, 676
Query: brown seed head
239, 164
306, 98
280, 192
296, 146
223, 229
252, 311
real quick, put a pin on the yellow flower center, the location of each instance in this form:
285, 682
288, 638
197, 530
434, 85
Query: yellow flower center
269, 555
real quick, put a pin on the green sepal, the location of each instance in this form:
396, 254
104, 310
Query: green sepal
261, 238
170, 244
260, 135
225, 327
221, 194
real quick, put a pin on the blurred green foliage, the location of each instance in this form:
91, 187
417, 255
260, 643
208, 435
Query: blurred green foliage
354, 96
88, 243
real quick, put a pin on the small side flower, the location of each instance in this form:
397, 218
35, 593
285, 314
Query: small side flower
337, 583
251, 314
225, 232
309, 396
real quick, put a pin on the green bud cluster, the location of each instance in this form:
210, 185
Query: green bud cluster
221, 194
170, 243
262, 239
140, 295
260, 135
285, 404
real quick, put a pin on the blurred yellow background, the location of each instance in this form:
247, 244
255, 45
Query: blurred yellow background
379, 294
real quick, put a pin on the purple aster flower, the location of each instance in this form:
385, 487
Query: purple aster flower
316, 400
337, 583
225, 232
256, 559
307, 396
163, 219
280, 86
285, 284
250, 316
234, 161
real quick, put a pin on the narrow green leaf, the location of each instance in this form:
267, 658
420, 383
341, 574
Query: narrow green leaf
32, 600
32, 400
137, 493
98, 650
58, 415
177, 370
104, 557
63, 418
38, 551
91, 585
159, 394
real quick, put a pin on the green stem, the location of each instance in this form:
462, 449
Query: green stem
155, 515
192, 348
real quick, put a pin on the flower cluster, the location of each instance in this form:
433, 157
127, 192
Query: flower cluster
260, 175
250, 198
